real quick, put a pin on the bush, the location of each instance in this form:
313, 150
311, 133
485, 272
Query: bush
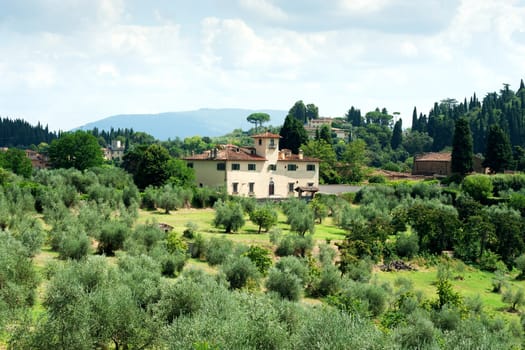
478, 187
260, 257
264, 216
228, 215
285, 284
218, 249
182, 298
377, 179
112, 237
294, 245
198, 247
239, 271
74, 245
407, 245
191, 229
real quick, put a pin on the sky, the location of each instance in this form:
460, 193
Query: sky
69, 62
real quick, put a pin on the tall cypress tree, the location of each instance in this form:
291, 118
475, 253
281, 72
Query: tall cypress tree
462, 148
397, 135
415, 126
498, 155
293, 134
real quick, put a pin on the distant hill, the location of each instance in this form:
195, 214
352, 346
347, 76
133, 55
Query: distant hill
202, 122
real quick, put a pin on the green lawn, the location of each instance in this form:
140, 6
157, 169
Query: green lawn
472, 283
247, 235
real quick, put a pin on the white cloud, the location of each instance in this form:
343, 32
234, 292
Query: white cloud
264, 8
363, 6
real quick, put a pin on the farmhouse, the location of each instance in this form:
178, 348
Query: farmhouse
435, 163
262, 171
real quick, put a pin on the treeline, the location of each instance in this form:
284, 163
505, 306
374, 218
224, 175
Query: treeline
505, 108
19, 133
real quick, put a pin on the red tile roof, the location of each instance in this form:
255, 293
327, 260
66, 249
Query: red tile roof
266, 135
228, 152
435, 156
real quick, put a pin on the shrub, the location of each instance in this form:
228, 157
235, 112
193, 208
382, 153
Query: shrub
239, 271
74, 245
260, 257
285, 284
228, 215
294, 245
407, 245
182, 298
191, 229
377, 179
264, 216
478, 187
198, 247
112, 237
218, 249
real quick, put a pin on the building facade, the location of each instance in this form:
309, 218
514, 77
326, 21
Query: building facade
440, 163
262, 171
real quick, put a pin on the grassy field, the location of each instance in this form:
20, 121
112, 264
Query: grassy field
247, 235
469, 282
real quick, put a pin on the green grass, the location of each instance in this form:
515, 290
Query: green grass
248, 233
470, 283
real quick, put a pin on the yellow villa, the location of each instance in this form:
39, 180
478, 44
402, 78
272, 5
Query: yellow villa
262, 171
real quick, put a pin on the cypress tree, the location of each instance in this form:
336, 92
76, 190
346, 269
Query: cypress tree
498, 154
397, 135
462, 148
415, 124
293, 134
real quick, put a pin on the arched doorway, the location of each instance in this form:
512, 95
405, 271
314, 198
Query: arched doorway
271, 188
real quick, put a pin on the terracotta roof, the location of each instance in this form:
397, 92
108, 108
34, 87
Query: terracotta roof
266, 135
228, 152
295, 158
434, 156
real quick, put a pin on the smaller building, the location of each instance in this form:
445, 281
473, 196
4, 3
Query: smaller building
115, 151
440, 164
313, 125
38, 160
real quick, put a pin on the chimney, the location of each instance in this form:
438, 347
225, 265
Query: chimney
301, 154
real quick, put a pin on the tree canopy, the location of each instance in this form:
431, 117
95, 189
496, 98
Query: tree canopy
79, 150
258, 118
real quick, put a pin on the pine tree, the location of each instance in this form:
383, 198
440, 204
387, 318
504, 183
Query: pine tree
397, 135
498, 154
462, 148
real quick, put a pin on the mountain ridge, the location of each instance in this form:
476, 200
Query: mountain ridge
210, 122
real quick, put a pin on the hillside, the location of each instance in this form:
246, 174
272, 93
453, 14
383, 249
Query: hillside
202, 122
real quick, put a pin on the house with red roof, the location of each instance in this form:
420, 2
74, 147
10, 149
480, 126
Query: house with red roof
261, 171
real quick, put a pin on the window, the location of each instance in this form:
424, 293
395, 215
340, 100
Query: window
272, 143
190, 165
251, 187
310, 184
221, 166
260, 142
236, 166
235, 187
251, 167
310, 167
272, 167
290, 186
292, 167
